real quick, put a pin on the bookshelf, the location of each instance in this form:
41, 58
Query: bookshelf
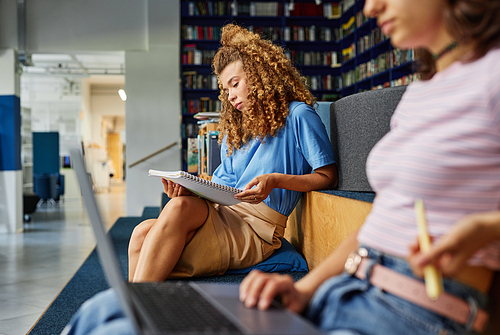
333, 45
369, 61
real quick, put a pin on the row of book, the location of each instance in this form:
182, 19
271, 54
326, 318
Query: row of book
346, 5
405, 80
360, 19
353, 23
201, 105
192, 55
349, 27
205, 57
289, 33
311, 58
308, 34
348, 53
328, 82
189, 130
400, 57
381, 63
368, 41
212, 8
194, 80
306, 9
363, 44
211, 33
204, 153
257, 8
251, 8
332, 10
296, 33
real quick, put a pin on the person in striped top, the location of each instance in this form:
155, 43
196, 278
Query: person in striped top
443, 148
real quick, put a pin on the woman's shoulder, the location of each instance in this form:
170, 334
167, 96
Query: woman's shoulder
298, 109
485, 70
488, 66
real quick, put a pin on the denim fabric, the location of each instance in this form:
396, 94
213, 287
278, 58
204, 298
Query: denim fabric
343, 305
101, 315
348, 305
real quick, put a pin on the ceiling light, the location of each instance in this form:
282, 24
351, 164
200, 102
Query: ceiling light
122, 94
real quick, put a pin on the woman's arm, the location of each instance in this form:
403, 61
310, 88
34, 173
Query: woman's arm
259, 289
322, 178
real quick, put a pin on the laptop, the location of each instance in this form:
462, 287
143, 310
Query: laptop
181, 307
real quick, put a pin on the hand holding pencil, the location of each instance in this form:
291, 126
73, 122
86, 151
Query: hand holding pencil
433, 278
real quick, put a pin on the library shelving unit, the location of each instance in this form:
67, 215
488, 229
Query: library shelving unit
369, 61
332, 44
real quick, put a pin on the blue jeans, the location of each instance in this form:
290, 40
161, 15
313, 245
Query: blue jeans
348, 305
343, 305
100, 315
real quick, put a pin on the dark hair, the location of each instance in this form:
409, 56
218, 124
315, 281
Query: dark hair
273, 83
475, 22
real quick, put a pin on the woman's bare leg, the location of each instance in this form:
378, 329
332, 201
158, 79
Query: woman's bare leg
167, 238
135, 245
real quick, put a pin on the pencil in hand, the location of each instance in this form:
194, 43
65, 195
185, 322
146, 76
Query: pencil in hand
433, 278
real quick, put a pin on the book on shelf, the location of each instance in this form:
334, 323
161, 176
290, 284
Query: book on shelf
213, 154
215, 192
192, 155
332, 10
305, 9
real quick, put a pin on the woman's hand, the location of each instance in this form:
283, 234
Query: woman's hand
264, 184
173, 189
258, 289
323, 177
452, 250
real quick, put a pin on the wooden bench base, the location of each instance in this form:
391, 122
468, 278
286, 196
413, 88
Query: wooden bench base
321, 221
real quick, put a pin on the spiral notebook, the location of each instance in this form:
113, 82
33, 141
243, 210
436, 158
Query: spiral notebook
215, 192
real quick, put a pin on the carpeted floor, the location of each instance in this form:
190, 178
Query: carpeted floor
89, 279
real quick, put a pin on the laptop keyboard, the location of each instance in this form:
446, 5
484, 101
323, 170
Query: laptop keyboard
179, 308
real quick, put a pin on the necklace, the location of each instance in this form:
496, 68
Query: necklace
443, 52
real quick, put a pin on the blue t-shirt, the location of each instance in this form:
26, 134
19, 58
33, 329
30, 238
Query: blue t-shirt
297, 149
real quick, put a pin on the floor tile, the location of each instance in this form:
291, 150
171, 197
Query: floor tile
18, 326
37, 264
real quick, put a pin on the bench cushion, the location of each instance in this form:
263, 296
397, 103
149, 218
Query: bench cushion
284, 259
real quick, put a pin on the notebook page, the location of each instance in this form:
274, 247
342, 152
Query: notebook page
215, 192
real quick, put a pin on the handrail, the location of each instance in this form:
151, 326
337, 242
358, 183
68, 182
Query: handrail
153, 154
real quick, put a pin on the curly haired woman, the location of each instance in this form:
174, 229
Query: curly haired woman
271, 141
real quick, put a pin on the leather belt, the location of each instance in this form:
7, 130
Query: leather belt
412, 290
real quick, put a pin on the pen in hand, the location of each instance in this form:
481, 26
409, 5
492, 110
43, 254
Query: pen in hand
433, 278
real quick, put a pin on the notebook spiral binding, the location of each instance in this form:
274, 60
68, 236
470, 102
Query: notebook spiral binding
225, 188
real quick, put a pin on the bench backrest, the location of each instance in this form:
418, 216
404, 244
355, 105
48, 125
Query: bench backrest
357, 123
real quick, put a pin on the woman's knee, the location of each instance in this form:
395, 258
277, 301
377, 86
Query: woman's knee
182, 204
139, 234
183, 211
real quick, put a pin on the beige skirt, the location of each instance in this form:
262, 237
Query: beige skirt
232, 237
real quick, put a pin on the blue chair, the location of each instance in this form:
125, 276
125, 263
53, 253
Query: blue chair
48, 187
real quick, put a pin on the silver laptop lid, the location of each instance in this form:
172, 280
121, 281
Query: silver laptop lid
105, 248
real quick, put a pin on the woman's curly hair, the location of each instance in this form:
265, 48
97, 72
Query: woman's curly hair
475, 22
273, 82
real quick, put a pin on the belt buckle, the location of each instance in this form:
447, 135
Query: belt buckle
354, 259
